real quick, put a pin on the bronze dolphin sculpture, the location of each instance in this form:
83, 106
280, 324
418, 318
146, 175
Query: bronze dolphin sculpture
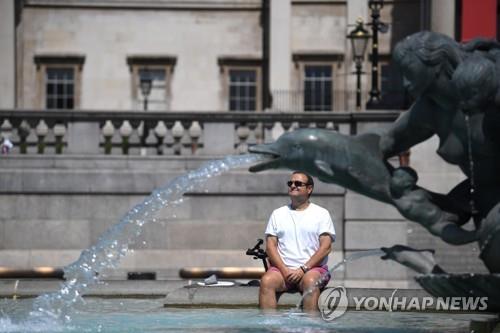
355, 162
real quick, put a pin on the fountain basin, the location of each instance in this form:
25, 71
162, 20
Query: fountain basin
147, 315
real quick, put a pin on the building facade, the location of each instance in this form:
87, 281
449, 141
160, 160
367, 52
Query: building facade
200, 55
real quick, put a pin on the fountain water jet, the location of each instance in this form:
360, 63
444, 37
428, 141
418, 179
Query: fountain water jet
114, 244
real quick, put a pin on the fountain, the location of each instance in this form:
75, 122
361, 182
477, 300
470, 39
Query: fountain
457, 97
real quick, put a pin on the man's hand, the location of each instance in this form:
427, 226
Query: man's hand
294, 275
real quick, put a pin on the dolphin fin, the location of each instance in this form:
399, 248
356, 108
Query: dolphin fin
324, 168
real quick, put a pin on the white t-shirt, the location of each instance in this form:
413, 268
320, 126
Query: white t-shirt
298, 232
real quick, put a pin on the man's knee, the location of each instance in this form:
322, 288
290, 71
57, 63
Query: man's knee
310, 281
269, 281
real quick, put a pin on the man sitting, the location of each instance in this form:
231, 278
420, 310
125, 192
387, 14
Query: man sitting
299, 238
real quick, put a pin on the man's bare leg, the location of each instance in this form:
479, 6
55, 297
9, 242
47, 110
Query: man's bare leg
308, 282
270, 283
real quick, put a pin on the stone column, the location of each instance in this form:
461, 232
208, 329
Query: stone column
443, 17
7, 54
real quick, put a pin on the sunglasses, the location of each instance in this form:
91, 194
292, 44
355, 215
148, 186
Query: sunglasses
296, 183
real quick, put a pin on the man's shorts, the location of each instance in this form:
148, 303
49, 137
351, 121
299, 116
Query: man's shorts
322, 270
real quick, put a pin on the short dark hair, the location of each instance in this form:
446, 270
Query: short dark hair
310, 180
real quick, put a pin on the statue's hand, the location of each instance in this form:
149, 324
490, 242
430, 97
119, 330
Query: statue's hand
390, 252
421, 261
386, 255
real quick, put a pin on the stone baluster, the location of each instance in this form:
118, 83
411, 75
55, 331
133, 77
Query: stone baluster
23, 131
331, 126
195, 133
169, 125
41, 131
243, 132
268, 131
254, 128
286, 125
108, 130
125, 133
277, 130
59, 133
177, 133
160, 132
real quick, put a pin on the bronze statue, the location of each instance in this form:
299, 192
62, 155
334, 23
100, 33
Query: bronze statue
457, 95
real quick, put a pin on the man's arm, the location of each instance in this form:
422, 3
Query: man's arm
274, 257
325, 247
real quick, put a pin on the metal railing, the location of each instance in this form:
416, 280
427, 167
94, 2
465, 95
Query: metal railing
294, 101
162, 133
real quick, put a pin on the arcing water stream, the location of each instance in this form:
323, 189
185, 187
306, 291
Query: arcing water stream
115, 242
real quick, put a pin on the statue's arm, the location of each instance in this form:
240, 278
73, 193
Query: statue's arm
482, 44
419, 207
453, 234
412, 127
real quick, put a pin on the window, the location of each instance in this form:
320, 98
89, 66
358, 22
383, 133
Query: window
242, 90
157, 70
318, 85
59, 78
60, 88
241, 83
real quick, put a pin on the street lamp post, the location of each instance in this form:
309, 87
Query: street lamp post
145, 84
377, 25
359, 39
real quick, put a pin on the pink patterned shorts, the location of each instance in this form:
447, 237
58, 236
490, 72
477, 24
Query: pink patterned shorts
322, 270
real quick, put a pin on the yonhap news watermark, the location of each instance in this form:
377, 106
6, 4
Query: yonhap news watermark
334, 302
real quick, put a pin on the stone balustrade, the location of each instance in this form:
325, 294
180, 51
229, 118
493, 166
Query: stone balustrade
163, 133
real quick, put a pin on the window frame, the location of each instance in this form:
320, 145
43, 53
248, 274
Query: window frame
332, 88
45, 62
137, 63
333, 60
257, 87
226, 65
